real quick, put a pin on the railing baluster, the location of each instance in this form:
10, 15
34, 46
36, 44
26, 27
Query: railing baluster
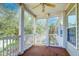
13, 47
16, 46
3, 47
7, 46
10, 46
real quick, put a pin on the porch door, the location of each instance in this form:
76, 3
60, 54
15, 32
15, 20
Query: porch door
52, 24
41, 37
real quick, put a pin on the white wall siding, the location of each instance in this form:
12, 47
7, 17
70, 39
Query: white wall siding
72, 51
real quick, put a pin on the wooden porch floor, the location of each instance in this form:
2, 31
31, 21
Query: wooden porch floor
45, 51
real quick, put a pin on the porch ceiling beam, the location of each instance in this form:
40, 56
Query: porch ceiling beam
27, 9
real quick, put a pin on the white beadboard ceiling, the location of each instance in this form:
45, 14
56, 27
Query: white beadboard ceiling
57, 10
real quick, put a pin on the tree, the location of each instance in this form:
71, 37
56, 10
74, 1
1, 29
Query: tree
8, 22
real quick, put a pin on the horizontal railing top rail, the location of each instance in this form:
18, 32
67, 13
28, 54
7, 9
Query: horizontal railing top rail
9, 37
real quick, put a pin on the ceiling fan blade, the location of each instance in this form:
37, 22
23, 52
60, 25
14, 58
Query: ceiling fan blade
36, 6
50, 5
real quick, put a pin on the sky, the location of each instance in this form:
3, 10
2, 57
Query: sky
72, 19
41, 21
11, 6
52, 20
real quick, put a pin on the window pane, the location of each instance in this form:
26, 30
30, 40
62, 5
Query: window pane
72, 19
72, 27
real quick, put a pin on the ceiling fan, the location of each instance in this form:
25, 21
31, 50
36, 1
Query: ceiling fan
44, 5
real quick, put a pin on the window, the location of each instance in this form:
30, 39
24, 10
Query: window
72, 27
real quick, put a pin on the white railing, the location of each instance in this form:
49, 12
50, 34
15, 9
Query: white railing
9, 46
41, 39
53, 40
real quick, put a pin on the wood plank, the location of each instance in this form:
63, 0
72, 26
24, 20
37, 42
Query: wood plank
45, 51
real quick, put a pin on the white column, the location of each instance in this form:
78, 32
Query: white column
21, 30
47, 33
78, 28
65, 30
33, 31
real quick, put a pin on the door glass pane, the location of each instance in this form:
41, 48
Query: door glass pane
52, 35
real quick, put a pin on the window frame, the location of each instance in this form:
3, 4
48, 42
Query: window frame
74, 7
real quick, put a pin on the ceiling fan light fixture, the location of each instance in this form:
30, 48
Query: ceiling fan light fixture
43, 6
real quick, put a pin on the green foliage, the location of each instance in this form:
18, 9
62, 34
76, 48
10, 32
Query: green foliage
28, 22
40, 29
8, 23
